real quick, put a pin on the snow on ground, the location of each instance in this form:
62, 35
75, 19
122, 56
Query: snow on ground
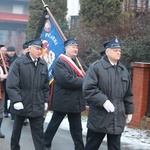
134, 137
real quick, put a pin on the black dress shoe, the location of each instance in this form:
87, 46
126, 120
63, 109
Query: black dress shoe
25, 123
2, 135
6, 115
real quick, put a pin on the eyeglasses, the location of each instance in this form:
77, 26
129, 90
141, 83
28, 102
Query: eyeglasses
116, 50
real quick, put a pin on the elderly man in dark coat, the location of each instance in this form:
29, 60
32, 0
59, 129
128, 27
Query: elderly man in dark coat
28, 89
107, 89
67, 98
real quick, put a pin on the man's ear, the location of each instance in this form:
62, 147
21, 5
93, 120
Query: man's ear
106, 51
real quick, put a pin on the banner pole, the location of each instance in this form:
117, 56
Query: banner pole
54, 21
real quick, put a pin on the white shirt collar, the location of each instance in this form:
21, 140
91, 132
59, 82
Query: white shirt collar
113, 64
33, 58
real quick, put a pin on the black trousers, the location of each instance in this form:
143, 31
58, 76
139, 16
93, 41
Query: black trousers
36, 125
6, 109
75, 128
94, 140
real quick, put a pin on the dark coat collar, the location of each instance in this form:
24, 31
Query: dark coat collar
27, 59
107, 64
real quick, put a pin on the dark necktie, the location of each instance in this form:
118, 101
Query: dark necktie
35, 62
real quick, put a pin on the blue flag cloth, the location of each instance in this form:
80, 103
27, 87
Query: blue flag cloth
53, 45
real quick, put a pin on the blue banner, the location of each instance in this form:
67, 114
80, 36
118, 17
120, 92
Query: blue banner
53, 45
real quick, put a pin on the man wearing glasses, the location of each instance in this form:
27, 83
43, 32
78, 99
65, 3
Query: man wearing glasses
107, 90
28, 89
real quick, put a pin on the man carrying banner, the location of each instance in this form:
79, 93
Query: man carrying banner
3, 76
67, 96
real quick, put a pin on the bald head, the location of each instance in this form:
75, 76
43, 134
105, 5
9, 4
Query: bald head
3, 50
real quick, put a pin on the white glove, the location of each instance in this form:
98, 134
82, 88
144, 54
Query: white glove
128, 118
18, 106
45, 106
109, 106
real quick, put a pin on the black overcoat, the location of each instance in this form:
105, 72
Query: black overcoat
28, 84
106, 82
67, 96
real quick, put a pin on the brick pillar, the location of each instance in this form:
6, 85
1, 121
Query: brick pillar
140, 87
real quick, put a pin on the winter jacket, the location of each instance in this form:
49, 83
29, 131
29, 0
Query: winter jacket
11, 59
106, 82
67, 96
28, 84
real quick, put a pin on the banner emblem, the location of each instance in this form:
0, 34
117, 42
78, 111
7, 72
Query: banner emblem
47, 26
